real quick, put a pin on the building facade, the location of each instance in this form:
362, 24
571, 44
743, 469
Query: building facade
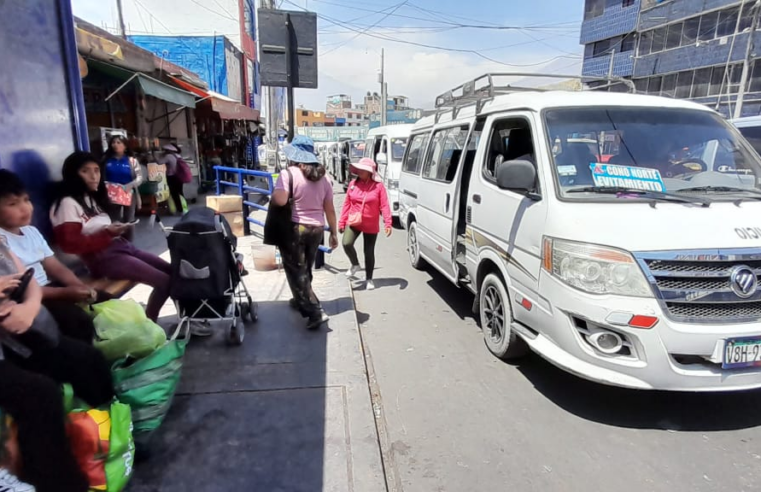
337, 105
608, 34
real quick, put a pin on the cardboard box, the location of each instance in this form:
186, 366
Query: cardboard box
236, 222
225, 203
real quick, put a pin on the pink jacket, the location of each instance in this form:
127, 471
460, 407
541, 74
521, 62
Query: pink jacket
376, 203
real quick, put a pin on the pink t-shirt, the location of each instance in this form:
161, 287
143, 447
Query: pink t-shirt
309, 197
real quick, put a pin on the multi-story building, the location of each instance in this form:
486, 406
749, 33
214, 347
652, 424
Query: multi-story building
308, 118
337, 105
372, 104
687, 49
696, 49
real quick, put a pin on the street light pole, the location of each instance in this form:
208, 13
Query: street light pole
384, 95
273, 127
748, 61
120, 11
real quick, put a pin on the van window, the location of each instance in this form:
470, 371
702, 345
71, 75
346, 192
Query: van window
510, 140
398, 145
444, 155
414, 158
753, 135
369, 148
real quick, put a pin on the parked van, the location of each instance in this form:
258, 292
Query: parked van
386, 146
641, 271
750, 127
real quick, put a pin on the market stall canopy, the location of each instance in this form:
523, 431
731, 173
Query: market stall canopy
227, 108
149, 85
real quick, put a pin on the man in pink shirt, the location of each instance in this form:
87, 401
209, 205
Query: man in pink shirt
366, 200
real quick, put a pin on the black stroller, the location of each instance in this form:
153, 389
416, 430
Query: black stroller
206, 273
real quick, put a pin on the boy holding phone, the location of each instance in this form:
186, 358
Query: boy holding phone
61, 289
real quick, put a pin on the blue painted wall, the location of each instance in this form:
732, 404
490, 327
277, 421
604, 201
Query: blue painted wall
614, 21
204, 55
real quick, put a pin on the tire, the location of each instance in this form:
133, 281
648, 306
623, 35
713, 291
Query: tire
253, 311
496, 316
237, 333
413, 247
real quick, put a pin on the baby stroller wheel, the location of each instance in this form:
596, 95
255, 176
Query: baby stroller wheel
237, 333
253, 311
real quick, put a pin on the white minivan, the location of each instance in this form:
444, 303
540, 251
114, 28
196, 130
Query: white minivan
634, 262
386, 146
750, 127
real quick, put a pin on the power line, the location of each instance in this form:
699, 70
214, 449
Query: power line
365, 30
228, 17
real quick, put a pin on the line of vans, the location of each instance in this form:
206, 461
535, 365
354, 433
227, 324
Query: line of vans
616, 235
386, 145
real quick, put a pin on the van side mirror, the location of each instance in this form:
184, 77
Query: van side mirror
381, 159
517, 176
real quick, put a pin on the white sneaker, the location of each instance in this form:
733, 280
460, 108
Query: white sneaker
370, 285
352, 271
9, 483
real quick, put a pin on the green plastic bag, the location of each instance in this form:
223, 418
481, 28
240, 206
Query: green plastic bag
122, 329
184, 204
148, 385
101, 440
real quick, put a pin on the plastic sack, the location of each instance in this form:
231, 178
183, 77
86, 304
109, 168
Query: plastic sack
122, 329
101, 440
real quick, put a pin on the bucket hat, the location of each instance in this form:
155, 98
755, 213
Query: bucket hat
171, 148
367, 164
301, 150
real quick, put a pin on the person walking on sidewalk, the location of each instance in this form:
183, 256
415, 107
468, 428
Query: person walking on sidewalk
312, 202
123, 170
366, 200
169, 159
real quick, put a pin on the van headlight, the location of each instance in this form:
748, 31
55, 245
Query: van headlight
595, 269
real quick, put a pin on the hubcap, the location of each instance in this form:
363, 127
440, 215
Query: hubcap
494, 314
412, 240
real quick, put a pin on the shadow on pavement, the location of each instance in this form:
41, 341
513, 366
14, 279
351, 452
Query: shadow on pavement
459, 299
382, 283
251, 417
669, 411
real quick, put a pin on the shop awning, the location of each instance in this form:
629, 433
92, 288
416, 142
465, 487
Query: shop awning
149, 85
228, 109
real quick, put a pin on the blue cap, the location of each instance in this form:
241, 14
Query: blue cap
301, 150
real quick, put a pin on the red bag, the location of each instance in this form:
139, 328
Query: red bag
118, 195
183, 171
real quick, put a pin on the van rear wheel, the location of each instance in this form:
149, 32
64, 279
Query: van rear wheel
496, 318
413, 247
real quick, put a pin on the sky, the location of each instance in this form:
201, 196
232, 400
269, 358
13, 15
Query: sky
430, 46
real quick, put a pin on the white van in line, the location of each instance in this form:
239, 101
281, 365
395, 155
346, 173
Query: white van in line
386, 146
636, 266
750, 127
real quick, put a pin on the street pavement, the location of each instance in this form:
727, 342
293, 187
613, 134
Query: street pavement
454, 418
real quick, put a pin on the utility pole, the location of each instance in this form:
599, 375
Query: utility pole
384, 95
748, 61
120, 10
273, 127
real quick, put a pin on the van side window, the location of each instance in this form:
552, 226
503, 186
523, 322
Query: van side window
444, 156
369, 148
414, 158
510, 140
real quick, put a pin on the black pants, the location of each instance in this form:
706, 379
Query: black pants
72, 320
30, 391
350, 237
175, 191
298, 258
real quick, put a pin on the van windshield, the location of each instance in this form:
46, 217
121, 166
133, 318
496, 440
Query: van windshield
682, 151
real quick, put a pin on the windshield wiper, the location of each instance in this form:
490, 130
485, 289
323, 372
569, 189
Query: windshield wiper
656, 195
726, 189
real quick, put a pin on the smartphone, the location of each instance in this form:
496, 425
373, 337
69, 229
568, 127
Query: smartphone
18, 293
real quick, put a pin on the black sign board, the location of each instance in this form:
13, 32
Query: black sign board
288, 38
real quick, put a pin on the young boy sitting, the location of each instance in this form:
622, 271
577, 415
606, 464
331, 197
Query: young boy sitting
61, 289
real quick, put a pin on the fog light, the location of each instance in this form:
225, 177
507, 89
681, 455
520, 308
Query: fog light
606, 342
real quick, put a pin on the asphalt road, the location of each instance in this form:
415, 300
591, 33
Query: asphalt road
457, 419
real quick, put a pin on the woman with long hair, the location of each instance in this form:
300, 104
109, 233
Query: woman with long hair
82, 227
366, 200
169, 159
312, 203
122, 170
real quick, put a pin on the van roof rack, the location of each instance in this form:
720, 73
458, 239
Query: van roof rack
484, 88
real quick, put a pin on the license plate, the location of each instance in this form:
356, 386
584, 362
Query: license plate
742, 352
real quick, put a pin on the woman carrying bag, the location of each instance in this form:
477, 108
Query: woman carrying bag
366, 200
123, 176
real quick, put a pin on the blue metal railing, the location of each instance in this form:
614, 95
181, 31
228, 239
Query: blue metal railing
222, 172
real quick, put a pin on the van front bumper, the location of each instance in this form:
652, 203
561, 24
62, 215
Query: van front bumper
669, 356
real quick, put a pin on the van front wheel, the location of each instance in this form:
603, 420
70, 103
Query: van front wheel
413, 247
496, 317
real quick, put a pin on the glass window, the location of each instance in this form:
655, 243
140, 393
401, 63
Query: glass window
668, 88
701, 82
641, 86
674, 36
627, 3
414, 158
689, 148
654, 86
445, 154
717, 81
645, 43
593, 8
398, 145
659, 40
684, 84
735, 75
753, 135
690, 32
755, 80
601, 47
708, 26
746, 19
727, 22
627, 44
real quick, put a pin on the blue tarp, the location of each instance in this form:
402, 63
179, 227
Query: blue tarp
204, 55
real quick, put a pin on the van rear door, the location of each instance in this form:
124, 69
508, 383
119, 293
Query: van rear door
409, 182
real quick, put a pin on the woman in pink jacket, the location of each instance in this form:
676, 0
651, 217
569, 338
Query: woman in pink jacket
366, 200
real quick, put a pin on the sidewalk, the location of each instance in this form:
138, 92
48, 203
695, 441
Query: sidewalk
288, 411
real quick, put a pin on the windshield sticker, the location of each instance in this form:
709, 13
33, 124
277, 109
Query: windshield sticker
638, 178
567, 170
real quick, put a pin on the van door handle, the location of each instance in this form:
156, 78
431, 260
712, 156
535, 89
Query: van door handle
447, 208
476, 198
